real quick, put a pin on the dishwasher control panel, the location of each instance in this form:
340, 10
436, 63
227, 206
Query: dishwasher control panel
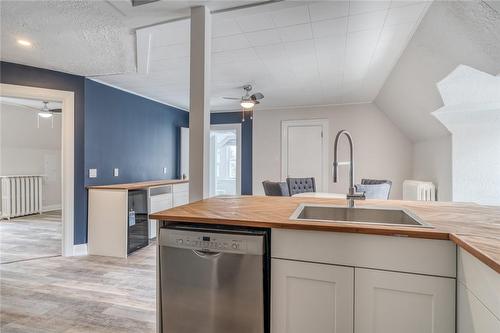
211, 242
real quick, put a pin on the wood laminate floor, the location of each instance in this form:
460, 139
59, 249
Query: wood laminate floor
30, 237
72, 294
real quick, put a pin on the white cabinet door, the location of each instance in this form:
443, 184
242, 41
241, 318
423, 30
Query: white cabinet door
390, 302
310, 297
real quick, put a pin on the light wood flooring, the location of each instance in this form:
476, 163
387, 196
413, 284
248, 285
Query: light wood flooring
78, 294
30, 237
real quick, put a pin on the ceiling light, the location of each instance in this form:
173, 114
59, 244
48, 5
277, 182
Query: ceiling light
45, 114
247, 104
24, 42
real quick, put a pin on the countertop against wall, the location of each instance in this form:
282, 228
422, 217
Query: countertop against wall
138, 185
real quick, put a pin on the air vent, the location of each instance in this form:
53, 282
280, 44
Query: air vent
136, 3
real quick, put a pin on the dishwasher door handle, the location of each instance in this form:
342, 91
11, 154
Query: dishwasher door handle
207, 255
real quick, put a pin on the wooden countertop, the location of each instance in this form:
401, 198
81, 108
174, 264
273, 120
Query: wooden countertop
473, 227
138, 185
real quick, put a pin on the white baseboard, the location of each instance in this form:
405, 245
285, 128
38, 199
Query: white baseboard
80, 250
49, 208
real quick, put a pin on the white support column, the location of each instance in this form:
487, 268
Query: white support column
199, 110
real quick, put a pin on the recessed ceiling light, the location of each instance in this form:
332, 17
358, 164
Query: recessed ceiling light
23, 42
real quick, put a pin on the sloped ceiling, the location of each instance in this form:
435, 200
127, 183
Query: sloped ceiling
298, 53
451, 33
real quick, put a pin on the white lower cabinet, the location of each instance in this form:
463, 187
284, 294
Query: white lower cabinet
391, 302
310, 297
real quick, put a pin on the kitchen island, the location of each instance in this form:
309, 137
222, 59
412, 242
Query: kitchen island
397, 278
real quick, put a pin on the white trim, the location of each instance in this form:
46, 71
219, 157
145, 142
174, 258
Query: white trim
137, 94
237, 127
67, 151
50, 208
325, 125
80, 250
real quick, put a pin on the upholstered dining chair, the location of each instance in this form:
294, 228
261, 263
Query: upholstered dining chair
275, 188
301, 185
375, 188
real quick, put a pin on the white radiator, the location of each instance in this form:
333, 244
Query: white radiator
21, 195
418, 190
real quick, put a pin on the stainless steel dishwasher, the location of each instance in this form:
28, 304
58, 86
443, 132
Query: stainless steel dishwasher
213, 280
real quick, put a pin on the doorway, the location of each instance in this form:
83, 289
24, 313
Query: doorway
225, 160
66, 161
30, 179
304, 151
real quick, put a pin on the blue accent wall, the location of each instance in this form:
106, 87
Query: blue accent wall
137, 135
11, 73
246, 144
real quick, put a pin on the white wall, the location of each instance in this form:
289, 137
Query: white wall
432, 162
26, 149
380, 148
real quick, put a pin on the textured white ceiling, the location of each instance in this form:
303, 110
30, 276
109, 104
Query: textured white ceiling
452, 33
296, 53
84, 37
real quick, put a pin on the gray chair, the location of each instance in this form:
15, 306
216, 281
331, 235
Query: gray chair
375, 188
301, 185
276, 189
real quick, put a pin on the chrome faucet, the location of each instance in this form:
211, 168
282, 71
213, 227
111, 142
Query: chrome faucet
352, 194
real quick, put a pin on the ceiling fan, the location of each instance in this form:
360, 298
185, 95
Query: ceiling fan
45, 112
248, 101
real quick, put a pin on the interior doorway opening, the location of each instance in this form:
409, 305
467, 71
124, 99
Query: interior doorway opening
60, 169
225, 160
30, 179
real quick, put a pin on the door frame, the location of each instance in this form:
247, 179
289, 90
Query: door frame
67, 151
237, 127
325, 124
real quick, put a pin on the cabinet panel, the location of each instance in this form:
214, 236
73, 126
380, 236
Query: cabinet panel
390, 302
181, 198
309, 297
472, 315
370, 251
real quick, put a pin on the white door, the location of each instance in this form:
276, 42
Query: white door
390, 302
304, 150
310, 297
225, 160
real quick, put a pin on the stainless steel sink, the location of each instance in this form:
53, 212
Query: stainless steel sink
370, 215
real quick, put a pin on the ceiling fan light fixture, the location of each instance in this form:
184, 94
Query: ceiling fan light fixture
45, 114
247, 104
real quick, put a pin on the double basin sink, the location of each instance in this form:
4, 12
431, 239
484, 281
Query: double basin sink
366, 215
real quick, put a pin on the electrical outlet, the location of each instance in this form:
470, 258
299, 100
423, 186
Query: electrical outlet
165, 171
116, 172
92, 173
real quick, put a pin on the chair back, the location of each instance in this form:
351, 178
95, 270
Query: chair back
277, 189
375, 188
301, 185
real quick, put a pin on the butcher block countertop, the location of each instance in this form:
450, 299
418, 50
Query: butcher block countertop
138, 185
473, 227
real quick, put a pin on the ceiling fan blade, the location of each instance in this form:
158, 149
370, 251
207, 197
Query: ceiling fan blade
136, 3
257, 96
56, 110
235, 98
256, 102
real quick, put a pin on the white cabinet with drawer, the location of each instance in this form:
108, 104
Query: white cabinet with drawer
394, 284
